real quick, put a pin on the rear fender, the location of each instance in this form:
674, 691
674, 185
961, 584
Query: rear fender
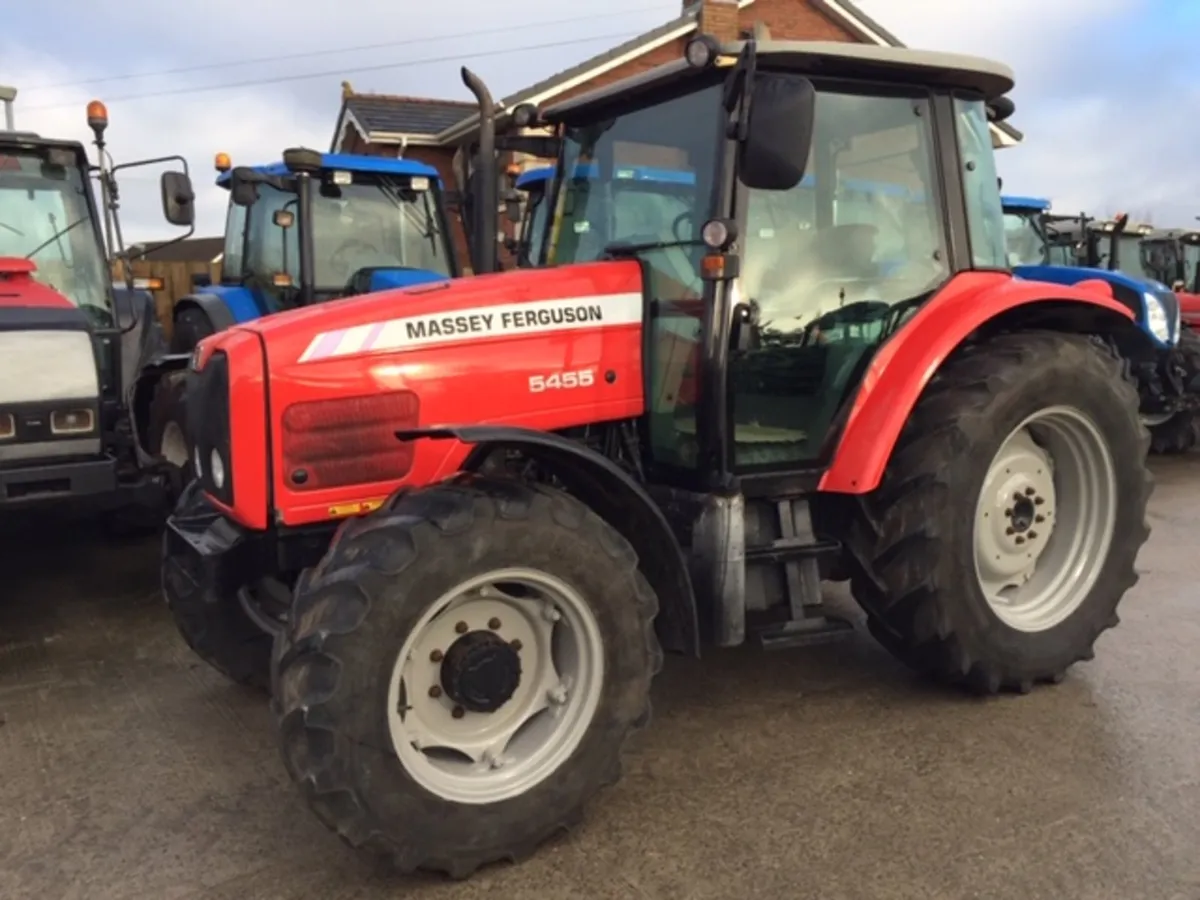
970, 306
166, 365
614, 496
224, 305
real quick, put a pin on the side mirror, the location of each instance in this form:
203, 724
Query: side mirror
1000, 109
779, 132
243, 189
178, 199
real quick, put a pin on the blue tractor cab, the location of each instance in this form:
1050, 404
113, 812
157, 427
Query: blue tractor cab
1169, 377
315, 227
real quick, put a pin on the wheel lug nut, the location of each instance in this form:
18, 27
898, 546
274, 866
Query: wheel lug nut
1029, 492
1020, 540
494, 623
1010, 531
1032, 535
1039, 518
1017, 496
516, 645
458, 712
1008, 512
436, 656
461, 627
1038, 501
435, 691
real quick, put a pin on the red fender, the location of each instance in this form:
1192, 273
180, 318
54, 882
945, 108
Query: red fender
903, 366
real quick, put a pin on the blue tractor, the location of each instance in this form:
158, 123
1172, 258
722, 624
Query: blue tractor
315, 227
1040, 249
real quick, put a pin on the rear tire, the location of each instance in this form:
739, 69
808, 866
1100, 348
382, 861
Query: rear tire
167, 434
916, 543
216, 628
358, 743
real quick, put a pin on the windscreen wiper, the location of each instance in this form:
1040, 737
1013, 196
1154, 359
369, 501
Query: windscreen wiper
620, 249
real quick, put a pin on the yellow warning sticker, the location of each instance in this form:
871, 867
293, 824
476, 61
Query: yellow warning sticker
355, 509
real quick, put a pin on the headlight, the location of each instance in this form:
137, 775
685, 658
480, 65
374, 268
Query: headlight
217, 469
72, 421
1157, 321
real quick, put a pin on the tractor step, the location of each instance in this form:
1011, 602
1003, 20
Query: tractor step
805, 632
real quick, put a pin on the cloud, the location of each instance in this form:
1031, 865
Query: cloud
1102, 91
1103, 86
254, 122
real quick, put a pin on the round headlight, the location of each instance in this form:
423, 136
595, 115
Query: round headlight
217, 469
1157, 322
701, 51
718, 234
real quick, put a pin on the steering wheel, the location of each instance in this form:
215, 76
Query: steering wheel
336, 258
685, 216
860, 312
15, 231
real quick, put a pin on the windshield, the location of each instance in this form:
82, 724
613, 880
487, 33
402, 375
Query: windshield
1024, 238
45, 216
533, 226
1129, 255
1191, 267
380, 222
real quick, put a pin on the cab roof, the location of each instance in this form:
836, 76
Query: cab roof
348, 162
824, 58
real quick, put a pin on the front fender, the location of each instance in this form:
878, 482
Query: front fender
225, 305
904, 365
614, 496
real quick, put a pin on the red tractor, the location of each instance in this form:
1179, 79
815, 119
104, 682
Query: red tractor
452, 526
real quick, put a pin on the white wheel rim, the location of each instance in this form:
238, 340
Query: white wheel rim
174, 447
1045, 519
478, 757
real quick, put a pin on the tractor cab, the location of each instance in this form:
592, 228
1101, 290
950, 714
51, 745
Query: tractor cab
316, 227
1173, 257
82, 355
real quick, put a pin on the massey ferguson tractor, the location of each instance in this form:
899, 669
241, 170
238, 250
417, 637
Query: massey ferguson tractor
84, 373
455, 526
1167, 368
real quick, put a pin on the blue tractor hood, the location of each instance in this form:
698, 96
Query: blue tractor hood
382, 279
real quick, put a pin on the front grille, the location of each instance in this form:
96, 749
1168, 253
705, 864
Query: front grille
208, 422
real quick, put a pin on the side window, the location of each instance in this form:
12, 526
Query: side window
985, 212
233, 257
271, 249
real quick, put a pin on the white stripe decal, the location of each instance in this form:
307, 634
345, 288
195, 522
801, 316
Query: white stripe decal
478, 323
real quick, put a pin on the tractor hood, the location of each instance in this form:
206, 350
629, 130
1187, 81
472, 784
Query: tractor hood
49, 379
476, 309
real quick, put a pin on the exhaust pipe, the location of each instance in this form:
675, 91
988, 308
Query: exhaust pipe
7, 96
485, 201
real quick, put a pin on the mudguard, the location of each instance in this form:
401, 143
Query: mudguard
904, 365
143, 341
225, 305
150, 372
614, 496
1125, 288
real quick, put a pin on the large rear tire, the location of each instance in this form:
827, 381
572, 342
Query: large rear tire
167, 432
460, 673
1006, 528
217, 628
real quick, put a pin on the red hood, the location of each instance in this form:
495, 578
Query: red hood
18, 288
463, 310
1189, 307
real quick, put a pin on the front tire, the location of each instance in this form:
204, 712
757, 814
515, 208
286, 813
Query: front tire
216, 628
460, 673
1005, 530
1181, 432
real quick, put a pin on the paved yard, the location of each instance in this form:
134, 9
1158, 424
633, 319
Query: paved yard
129, 770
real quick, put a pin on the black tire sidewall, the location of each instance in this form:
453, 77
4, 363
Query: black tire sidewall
1087, 386
360, 704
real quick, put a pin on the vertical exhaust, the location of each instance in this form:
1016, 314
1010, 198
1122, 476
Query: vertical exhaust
486, 200
7, 96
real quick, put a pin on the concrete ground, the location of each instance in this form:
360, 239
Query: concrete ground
130, 770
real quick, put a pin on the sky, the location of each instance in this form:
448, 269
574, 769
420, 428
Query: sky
1107, 92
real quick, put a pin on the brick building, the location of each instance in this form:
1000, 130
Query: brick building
436, 131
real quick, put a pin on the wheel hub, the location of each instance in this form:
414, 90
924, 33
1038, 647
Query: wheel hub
1016, 517
481, 671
